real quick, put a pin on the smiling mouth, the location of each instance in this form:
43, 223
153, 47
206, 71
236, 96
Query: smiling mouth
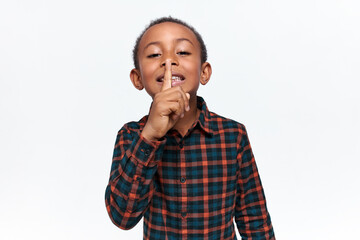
174, 78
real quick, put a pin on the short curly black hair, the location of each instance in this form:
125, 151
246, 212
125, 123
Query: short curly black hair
203, 53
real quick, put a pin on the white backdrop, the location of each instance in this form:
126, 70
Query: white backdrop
288, 70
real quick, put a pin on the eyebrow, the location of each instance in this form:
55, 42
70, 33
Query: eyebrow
177, 40
184, 39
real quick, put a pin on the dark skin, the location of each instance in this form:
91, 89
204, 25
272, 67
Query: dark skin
170, 70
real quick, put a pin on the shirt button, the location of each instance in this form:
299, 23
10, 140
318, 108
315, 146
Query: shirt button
181, 145
182, 179
137, 178
183, 214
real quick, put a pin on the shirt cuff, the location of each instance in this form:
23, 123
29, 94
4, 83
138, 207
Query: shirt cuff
147, 152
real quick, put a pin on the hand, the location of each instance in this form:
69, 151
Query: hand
169, 105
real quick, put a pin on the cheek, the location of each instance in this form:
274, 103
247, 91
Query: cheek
193, 67
147, 72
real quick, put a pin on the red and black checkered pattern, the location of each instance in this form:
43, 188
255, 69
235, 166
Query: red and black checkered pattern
189, 187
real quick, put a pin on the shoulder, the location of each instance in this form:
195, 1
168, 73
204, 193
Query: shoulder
133, 126
231, 131
221, 123
217, 124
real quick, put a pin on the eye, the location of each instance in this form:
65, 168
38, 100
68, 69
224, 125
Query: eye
183, 53
154, 55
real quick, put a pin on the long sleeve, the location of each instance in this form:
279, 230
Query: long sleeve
131, 187
251, 215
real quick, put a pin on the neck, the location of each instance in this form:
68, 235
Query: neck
183, 124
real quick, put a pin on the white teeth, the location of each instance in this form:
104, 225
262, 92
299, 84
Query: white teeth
176, 78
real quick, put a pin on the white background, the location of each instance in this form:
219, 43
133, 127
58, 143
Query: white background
288, 70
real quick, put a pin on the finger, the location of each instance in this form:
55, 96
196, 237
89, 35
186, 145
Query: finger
185, 97
187, 104
182, 107
174, 110
176, 94
167, 76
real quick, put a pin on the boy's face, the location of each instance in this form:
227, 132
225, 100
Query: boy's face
174, 42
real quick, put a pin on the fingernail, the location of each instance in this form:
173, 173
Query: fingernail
182, 115
187, 108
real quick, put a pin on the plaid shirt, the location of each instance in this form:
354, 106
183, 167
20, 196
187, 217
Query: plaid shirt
188, 187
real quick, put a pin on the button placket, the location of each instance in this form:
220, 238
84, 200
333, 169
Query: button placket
182, 179
183, 186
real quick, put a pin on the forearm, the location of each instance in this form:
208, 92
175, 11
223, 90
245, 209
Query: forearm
251, 214
253, 219
131, 187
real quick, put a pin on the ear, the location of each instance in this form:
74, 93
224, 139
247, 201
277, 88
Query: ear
135, 77
205, 73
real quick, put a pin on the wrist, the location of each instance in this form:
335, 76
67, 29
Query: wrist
147, 134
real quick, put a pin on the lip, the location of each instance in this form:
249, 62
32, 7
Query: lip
176, 83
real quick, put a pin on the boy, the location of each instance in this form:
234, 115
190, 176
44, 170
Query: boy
188, 171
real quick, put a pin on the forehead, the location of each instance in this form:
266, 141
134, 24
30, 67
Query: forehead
167, 31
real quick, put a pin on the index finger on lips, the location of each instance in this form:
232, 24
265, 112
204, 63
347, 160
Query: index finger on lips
167, 76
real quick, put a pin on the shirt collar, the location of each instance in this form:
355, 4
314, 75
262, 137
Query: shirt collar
204, 117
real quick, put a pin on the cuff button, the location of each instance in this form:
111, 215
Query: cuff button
147, 152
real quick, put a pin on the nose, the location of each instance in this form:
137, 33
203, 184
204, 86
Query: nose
172, 59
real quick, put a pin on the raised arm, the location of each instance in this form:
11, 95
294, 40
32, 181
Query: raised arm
136, 154
131, 187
